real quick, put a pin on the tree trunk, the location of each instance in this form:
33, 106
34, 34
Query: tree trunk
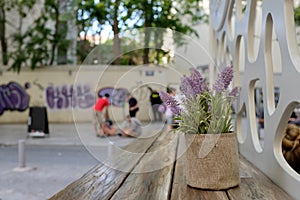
2, 37
148, 12
146, 46
55, 36
116, 40
158, 44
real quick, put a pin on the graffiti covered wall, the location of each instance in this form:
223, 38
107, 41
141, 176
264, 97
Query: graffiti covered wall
70, 93
13, 97
69, 97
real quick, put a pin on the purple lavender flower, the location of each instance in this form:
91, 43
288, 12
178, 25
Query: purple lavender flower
198, 81
186, 87
170, 102
162, 108
234, 92
193, 85
224, 79
175, 110
167, 99
218, 86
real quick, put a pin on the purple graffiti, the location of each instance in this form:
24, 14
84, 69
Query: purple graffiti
66, 97
27, 85
13, 97
117, 95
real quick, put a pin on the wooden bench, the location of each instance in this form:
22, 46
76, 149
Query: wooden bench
133, 176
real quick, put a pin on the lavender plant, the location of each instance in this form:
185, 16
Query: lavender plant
202, 110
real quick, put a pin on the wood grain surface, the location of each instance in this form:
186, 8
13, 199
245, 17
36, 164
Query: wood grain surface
155, 169
255, 185
102, 181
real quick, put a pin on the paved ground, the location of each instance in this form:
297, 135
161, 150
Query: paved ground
48, 170
55, 161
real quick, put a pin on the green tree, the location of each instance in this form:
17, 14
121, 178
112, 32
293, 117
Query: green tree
39, 45
105, 13
167, 14
116, 30
21, 7
19, 38
114, 19
297, 16
89, 14
122, 15
59, 43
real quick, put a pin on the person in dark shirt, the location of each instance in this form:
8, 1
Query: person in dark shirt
133, 105
155, 103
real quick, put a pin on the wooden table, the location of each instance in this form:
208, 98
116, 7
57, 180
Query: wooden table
155, 169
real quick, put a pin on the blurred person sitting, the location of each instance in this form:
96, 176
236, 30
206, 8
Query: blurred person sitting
132, 127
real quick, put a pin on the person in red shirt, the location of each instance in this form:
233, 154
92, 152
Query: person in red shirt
100, 114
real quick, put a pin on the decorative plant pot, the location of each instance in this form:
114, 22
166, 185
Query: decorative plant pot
219, 169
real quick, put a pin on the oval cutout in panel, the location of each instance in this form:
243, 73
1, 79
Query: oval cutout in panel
272, 64
241, 125
241, 8
287, 140
254, 30
239, 61
259, 111
231, 20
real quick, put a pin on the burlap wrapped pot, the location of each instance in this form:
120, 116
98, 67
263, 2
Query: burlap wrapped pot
219, 169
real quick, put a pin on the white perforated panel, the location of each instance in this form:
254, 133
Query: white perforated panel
259, 39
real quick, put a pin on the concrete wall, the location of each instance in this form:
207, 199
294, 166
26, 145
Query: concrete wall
69, 92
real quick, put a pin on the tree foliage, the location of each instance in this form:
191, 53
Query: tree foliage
43, 45
297, 15
21, 52
38, 45
152, 15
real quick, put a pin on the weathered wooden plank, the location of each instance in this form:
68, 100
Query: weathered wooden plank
154, 175
151, 178
256, 185
103, 180
180, 190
